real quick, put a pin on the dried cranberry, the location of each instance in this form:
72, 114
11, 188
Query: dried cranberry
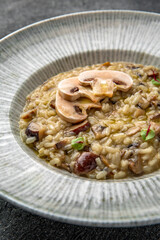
86, 162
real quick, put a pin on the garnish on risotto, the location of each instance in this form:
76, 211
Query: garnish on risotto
100, 121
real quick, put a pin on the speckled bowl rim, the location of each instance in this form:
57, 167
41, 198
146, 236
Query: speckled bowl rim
59, 217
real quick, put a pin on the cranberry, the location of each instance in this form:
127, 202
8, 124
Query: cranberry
86, 162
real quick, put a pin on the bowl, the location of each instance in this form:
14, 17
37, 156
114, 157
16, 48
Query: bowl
30, 56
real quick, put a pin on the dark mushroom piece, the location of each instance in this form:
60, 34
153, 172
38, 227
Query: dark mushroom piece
158, 104
155, 117
133, 145
61, 144
85, 163
136, 166
52, 104
98, 131
75, 129
35, 130
152, 73
29, 114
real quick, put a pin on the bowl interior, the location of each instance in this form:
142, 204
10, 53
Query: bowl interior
62, 65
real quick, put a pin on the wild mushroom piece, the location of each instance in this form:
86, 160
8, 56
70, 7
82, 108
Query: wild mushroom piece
70, 89
82, 127
155, 117
35, 130
52, 104
73, 112
85, 163
61, 144
136, 166
98, 131
122, 81
29, 114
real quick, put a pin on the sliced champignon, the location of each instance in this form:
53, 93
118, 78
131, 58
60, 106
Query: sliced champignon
35, 130
29, 114
85, 163
73, 112
132, 131
98, 131
103, 78
82, 127
136, 166
70, 89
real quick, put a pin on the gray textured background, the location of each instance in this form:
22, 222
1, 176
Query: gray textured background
16, 224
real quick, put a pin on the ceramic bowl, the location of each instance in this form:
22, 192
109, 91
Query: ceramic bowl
30, 56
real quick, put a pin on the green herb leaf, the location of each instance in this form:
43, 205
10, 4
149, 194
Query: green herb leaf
78, 143
156, 82
150, 135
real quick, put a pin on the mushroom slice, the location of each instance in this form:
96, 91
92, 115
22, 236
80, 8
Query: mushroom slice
82, 127
35, 130
103, 88
122, 81
74, 112
70, 89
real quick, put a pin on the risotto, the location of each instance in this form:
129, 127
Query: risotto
100, 121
